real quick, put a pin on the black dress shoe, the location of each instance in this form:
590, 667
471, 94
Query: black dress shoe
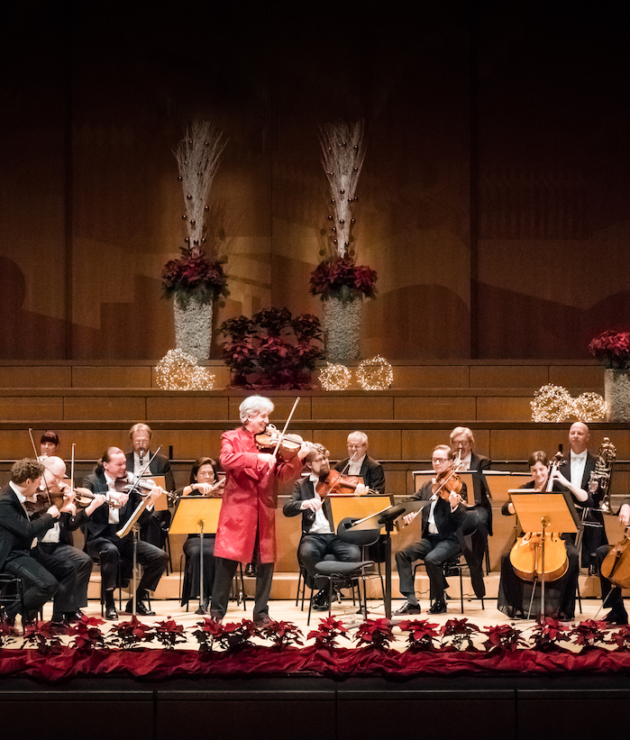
262, 621
616, 617
321, 605
111, 613
250, 570
141, 608
438, 607
408, 608
75, 616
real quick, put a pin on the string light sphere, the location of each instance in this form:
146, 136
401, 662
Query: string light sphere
551, 403
375, 374
179, 371
589, 407
335, 377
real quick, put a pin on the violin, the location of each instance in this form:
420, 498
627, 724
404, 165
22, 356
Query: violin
339, 483
267, 441
526, 554
446, 483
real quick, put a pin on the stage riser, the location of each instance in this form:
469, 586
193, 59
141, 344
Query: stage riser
285, 587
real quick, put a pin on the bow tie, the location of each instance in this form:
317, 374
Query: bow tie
579, 457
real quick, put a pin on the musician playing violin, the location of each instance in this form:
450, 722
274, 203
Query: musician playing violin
439, 542
360, 463
318, 536
612, 596
56, 545
247, 519
103, 543
514, 592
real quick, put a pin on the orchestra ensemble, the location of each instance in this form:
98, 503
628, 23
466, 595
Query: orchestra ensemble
115, 508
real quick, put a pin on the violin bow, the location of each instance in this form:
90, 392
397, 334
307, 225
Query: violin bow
284, 431
135, 485
30, 434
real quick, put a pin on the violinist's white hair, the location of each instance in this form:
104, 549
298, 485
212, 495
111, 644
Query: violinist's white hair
254, 405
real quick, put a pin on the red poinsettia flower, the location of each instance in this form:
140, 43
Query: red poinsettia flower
612, 349
342, 277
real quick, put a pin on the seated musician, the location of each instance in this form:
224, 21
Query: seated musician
612, 596
204, 481
155, 527
515, 594
360, 463
318, 536
102, 541
56, 545
580, 465
439, 542
478, 521
48, 444
19, 553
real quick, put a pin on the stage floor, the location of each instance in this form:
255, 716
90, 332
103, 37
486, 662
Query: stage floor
285, 610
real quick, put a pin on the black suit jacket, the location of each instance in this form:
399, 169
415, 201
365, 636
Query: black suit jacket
371, 471
159, 466
479, 463
446, 521
302, 491
16, 530
97, 525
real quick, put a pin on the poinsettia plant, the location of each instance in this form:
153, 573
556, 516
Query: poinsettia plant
342, 278
612, 349
194, 277
272, 349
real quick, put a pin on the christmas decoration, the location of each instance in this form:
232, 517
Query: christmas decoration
551, 403
375, 374
196, 280
335, 377
589, 407
179, 371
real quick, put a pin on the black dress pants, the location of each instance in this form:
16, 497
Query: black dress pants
111, 552
313, 549
224, 572
40, 584
435, 552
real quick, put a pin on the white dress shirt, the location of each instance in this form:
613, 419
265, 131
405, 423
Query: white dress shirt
321, 525
578, 463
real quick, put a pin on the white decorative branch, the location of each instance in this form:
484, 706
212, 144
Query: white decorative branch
342, 158
197, 157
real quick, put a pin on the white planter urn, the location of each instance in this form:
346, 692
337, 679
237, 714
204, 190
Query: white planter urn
342, 329
617, 394
193, 327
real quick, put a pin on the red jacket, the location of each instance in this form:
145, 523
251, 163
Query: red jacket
249, 499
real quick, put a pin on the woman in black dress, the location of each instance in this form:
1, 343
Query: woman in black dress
515, 594
204, 481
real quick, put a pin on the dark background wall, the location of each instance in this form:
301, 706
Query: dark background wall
493, 200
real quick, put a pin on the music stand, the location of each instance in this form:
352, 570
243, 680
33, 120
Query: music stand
545, 512
385, 519
197, 515
133, 525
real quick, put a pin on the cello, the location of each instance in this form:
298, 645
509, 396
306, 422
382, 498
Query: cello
526, 554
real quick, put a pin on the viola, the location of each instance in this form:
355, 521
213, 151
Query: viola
616, 565
267, 441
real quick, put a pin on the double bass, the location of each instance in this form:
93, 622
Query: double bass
526, 554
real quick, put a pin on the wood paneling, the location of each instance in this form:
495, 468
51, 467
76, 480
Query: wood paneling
104, 407
504, 408
348, 407
510, 376
31, 408
573, 377
383, 444
430, 376
429, 408
186, 407
48, 376
111, 377
282, 407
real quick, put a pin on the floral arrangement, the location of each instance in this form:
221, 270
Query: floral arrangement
612, 349
338, 275
343, 278
196, 275
272, 349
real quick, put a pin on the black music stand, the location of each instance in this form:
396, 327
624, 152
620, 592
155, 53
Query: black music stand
197, 515
541, 513
385, 519
133, 526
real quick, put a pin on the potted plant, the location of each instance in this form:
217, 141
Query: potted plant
196, 279
338, 279
612, 349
